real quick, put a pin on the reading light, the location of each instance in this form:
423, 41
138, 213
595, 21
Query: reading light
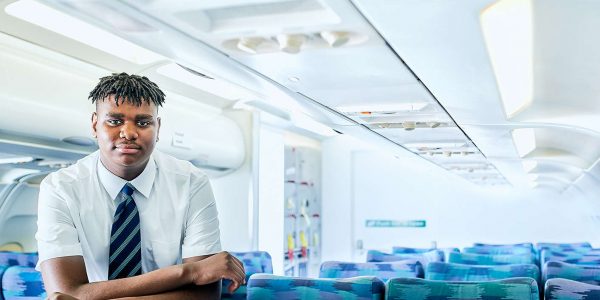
335, 38
250, 44
61, 23
16, 160
447, 153
508, 31
291, 43
401, 107
524, 139
433, 124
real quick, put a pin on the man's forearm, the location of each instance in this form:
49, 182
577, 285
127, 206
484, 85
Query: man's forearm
152, 283
208, 292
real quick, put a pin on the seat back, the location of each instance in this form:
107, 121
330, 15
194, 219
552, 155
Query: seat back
424, 258
569, 257
488, 259
570, 247
461, 272
265, 286
525, 245
582, 273
497, 250
565, 289
403, 250
18, 259
384, 270
422, 289
254, 262
22, 283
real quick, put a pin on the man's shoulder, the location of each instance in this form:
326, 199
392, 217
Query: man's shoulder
79, 171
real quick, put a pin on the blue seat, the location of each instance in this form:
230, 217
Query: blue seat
461, 272
582, 273
577, 258
422, 289
488, 259
565, 289
22, 283
254, 262
424, 258
383, 270
265, 286
497, 250
403, 250
18, 259
564, 247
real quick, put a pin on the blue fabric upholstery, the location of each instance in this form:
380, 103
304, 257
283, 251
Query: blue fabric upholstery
272, 287
582, 273
486, 259
565, 289
569, 257
497, 250
254, 262
383, 270
22, 283
564, 246
18, 259
422, 289
424, 258
403, 250
460, 272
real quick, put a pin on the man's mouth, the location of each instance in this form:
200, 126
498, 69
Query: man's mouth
128, 148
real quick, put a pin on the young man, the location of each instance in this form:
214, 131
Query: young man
128, 221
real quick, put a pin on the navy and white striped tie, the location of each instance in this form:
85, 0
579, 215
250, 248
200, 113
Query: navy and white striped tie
125, 258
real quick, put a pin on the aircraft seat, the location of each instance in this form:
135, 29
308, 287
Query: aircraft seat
266, 286
565, 289
488, 259
518, 288
385, 270
18, 259
570, 257
21, 282
254, 262
462, 272
582, 273
497, 250
424, 258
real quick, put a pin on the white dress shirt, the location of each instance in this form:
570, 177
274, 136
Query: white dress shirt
178, 215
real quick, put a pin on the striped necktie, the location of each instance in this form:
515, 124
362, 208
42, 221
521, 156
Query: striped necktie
125, 258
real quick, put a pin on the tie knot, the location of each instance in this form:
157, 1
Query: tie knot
127, 189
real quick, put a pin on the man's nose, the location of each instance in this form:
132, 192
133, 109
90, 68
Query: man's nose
129, 131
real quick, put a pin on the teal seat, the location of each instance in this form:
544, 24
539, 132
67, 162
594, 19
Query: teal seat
565, 289
266, 287
461, 272
384, 270
582, 273
488, 259
424, 258
254, 262
422, 289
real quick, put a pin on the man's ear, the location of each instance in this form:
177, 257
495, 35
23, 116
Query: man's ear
94, 124
157, 128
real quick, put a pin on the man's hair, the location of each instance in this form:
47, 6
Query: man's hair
134, 89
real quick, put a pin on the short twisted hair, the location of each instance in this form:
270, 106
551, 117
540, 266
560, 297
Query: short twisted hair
133, 89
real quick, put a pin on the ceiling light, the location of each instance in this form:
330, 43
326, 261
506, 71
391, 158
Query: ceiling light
250, 44
409, 125
217, 87
291, 43
16, 160
59, 22
335, 38
435, 146
529, 165
524, 139
400, 107
508, 31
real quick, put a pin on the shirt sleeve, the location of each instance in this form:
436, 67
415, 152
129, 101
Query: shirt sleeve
56, 234
202, 235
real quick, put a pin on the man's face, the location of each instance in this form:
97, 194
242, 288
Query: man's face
126, 134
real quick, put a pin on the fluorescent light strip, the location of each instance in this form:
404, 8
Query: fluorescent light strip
508, 31
217, 87
71, 27
400, 107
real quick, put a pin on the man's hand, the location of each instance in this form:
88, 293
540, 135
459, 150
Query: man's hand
216, 267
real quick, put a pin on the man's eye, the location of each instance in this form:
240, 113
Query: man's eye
114, 122
143, 123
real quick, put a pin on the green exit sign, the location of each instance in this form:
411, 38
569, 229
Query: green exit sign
395, 223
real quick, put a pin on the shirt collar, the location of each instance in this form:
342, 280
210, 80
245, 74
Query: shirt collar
113, 183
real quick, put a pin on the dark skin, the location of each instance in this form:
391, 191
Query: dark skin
126, 137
